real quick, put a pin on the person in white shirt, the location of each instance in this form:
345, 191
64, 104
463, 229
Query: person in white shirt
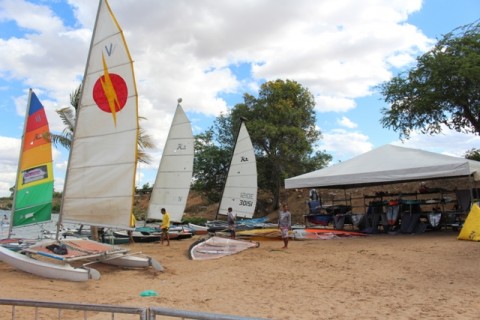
284, 224
231, 223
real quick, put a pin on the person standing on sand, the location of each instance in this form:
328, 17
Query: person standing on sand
165, 226
284, 224
231, 223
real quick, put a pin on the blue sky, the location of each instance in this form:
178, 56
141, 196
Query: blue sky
211, 52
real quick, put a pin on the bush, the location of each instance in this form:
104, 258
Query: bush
195, 220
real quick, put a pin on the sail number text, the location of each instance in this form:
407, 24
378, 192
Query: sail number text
246, 203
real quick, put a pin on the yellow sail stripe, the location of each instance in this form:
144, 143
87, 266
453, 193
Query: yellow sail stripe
109, 91
35, 183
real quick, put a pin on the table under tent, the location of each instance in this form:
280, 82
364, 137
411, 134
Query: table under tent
403, 211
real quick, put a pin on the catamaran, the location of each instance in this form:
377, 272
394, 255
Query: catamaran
100, 180
173, 180
174, 175
240, 191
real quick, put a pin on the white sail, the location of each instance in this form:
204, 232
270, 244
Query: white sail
100, 180
240, 191
174, 175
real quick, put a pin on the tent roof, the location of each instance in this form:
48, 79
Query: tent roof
387, 164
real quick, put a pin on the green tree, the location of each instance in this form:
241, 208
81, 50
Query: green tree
68, 116
281, 124
146, 188
210, 166
442, 89
283, 131
473, 154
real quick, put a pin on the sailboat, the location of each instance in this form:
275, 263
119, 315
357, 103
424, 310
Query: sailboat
33, 194
173, 180
240, 191
100, 180
174, 175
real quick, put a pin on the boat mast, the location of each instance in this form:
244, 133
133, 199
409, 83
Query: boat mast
242, 120
10, 228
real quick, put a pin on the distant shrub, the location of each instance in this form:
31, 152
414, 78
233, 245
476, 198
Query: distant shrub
56, 207
195, 220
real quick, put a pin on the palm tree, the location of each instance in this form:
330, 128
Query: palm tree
68, 115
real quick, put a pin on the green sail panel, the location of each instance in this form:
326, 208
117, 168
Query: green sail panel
34, 205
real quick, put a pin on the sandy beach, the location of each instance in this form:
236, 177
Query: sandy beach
425, 276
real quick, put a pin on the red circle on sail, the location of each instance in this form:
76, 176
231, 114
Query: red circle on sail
120, 88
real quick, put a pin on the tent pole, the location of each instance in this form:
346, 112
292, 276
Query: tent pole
470, 182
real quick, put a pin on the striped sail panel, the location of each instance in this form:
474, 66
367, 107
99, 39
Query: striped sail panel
33, 204
100, 180
39, 155
34, 184
174, 175
240, 192
36, 116
36, 175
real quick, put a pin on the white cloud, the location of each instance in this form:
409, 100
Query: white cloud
337, 49
182, 48
333, 104
449, 142
344, 145
9, 150
30, 16
345, 122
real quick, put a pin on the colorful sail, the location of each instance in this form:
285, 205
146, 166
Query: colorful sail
240, 192
100, 179
34, 186
174, 175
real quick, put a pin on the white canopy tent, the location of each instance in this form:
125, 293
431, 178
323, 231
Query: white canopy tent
387, 164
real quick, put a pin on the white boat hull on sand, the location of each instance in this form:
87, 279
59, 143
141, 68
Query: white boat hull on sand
198, 229
131, 261
46, 269
217, 247
91, 252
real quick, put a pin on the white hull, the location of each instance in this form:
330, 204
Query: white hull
131, 261
217, 247
46, 269
198, 229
